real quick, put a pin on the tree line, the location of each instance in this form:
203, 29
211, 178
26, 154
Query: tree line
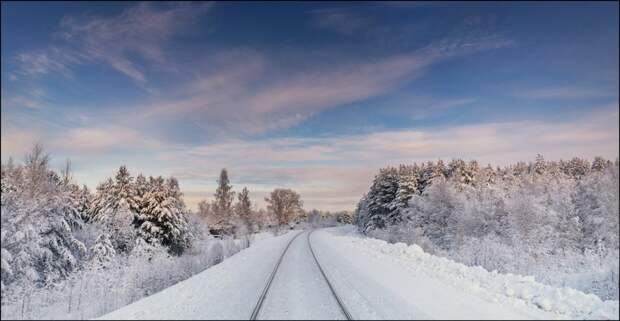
226, 217
56, 233
542, 218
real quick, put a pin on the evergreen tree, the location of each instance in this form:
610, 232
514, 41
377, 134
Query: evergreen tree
407, 187
84, 202
141, 186
540, 166
103, 202
124, 192
162, 218
381, 195
429, 172
243, 208
102, 252
38, 218
600, 164
222, 205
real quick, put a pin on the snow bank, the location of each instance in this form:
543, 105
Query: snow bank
496, 287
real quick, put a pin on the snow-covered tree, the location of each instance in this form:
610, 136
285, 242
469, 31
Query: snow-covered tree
381, 199
286, 204
102, 252
243, 208
549, 215
438, 212
540, 166
125, 192
141, 186
407, 185
84, 202
163, 218
38, 220
222, 207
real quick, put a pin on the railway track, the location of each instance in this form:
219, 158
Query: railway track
261, 299
340, 304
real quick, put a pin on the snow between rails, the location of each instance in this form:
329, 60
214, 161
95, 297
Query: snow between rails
505, 289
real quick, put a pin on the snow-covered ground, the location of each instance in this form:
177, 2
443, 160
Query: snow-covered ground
381, 280
228, 290
298, 290
376, 280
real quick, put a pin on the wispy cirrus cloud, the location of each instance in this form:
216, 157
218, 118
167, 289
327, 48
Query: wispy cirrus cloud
52, 60
244, 89
102, 139
242, 94
339, 20
128, 42
21, 102
562, 93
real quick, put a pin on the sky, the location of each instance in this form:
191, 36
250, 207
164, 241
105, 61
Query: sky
310, 96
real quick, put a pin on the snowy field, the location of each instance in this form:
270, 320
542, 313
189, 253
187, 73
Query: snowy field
376, 280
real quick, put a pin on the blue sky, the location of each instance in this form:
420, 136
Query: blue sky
311, 96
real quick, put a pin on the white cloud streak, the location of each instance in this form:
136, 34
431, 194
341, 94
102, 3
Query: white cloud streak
232, 96
341, 21
141, 31
561, 93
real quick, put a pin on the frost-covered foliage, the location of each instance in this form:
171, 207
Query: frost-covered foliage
111, 281
222, 207
226, 218
316, 218
286, 204
162, 215
557, 221
39, 215
67, 253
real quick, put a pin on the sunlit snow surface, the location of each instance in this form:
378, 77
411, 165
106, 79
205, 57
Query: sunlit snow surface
376, 280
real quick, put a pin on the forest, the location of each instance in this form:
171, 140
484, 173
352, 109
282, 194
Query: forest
73, 253
555, 220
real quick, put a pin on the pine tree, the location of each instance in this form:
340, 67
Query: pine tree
540, 166
577, 167
102, 204
429, 172
381, 195
102, 252
243, 208
38, 214
222, 205
407, 187
141, 186
84, 201
124, 191
162, 218
600, 164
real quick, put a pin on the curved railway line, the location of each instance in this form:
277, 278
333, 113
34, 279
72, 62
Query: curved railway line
261, 299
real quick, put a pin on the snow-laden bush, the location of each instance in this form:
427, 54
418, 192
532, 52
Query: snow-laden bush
109, 281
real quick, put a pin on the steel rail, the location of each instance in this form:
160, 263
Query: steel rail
263, 295
342, 307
